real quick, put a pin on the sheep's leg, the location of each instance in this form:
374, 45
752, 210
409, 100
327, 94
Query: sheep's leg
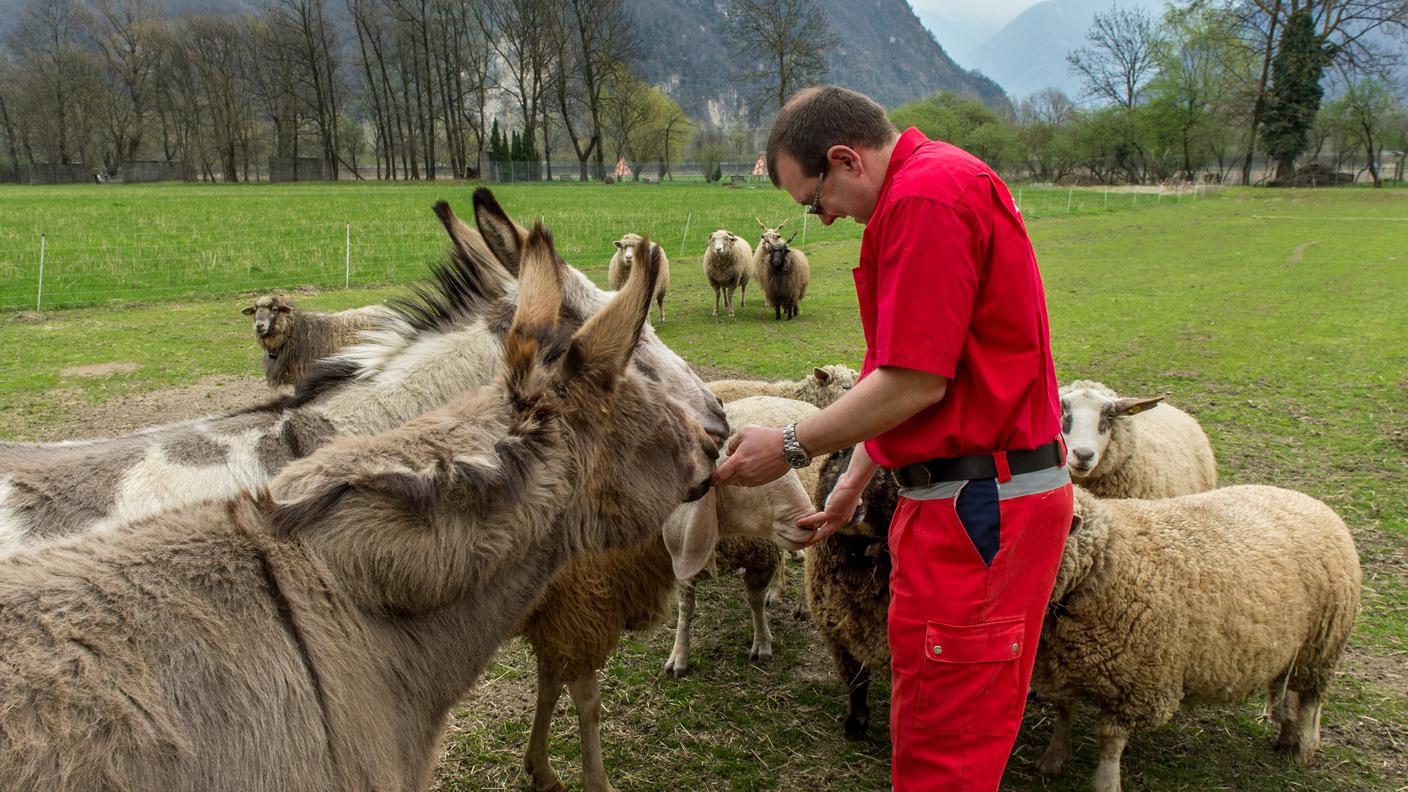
728, 300
586, 696
1112, 741
1059, 749
757, 583
857, 679
743, 296
1282, 709
717, 292
1308, 721
660, 307
535, 761
678, 663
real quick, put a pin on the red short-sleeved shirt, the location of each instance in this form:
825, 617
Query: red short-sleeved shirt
948, 284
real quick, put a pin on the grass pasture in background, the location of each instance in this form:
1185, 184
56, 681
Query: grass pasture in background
103, 244
1278, 318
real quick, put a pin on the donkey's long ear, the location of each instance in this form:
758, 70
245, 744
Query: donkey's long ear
468, 243
603, 347
504, 237
691, 533
535, 319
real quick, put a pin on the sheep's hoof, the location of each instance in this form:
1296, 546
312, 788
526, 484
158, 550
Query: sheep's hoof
857, 725
1051, 764
676, 669
760, 655
802, 613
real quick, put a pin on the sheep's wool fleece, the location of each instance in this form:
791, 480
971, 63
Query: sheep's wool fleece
1208, 597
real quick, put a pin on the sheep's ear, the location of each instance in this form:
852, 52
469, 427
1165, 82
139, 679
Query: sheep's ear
603, 347
691, 533
504, 237
618, 244
248, 311
822, 375
1134, 406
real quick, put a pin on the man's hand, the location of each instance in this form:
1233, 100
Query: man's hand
837, 512
754, 458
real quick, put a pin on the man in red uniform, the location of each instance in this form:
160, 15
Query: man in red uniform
957, 397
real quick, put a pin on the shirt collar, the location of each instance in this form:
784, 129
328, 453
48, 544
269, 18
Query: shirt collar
904, 147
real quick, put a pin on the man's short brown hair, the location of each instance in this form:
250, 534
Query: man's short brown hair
817, 118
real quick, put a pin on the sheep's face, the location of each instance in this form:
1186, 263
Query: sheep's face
626, 249
830, 383
1088, 417
268, 312
721, 241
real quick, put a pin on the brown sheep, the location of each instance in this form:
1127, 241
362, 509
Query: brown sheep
596, 597
783, 272
316, 637
292, 339
848, 588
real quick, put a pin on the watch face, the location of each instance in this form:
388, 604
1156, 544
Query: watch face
796, 458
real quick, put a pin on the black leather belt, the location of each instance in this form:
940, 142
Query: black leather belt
981, 466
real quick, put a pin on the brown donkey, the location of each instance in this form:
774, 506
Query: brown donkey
316, 636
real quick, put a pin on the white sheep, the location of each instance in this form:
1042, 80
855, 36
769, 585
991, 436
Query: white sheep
823, 386
1211, 598
624, 257
292, 339
745, 514
727, 262
1133, 447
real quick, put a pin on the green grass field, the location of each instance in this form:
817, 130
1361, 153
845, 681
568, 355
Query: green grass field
1277, 318
103, 244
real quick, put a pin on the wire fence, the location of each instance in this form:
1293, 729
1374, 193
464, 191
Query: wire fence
68, 266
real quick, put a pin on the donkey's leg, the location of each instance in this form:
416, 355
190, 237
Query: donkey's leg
678, 663
586, 696
1059, 749
535, 761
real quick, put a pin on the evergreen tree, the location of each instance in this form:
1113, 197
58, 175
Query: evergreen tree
1301, 58
496, 144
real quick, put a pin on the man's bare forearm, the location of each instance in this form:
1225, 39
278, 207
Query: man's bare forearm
880, 402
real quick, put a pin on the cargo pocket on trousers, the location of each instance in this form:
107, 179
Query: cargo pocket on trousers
969, 681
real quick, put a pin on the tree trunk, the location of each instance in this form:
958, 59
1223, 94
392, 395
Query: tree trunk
1259, 106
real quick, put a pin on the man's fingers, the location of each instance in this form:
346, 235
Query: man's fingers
725, 471
734, 441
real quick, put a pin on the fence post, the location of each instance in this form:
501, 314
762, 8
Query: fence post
685, 238
1019, 199
39, 301
347, 259
804, 228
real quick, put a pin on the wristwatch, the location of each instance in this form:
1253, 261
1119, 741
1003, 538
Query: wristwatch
792, 451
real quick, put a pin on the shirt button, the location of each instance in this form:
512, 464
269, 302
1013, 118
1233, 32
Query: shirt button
938, 650
1015, 648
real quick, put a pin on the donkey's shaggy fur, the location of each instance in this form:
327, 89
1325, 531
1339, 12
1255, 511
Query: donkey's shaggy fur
316, 637
292, 339
449, 338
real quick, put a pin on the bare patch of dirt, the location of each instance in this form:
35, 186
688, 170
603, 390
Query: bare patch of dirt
99, 370
1299, 252
77, 419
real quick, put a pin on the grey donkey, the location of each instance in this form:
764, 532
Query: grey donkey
315, 635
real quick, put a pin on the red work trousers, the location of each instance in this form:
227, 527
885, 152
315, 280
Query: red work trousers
964, 627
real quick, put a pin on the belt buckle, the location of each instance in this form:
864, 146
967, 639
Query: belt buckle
913, 472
